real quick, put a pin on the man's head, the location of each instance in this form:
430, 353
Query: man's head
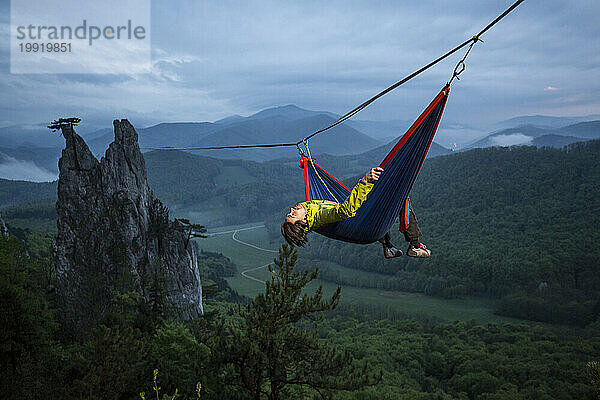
297, 213
294, 227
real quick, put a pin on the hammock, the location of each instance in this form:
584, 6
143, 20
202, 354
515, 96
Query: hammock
389, 195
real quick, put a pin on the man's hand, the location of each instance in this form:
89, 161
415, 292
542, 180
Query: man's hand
373, 174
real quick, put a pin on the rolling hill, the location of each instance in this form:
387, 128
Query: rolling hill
17, 192
221, 191
343, 167
540, 136
544, 121
273, 125
498, 221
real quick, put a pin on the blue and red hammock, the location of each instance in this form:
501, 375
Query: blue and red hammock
389, 196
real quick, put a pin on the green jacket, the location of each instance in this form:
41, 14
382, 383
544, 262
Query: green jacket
323, 212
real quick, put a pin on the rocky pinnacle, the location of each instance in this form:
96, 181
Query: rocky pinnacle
111, 225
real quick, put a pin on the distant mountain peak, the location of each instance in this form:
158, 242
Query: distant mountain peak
289, 107
531, 134
546, 121
288, 111
230, 119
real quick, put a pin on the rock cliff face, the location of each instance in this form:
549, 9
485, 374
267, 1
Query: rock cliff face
114, 233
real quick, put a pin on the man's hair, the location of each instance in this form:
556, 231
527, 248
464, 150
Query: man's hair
295, 234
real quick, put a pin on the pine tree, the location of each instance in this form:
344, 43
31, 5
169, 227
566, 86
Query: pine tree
273, 356
27, 356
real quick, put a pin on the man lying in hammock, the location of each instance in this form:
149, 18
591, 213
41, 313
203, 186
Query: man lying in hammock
310, 215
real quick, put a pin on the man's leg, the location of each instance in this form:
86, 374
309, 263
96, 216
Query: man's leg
411, 234
389, 251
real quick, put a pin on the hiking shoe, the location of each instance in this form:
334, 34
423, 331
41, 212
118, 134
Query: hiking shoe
420, 251
391, 252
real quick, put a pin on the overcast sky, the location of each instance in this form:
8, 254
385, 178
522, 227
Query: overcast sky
211, 59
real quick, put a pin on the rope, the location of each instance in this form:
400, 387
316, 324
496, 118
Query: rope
362, 106
460, 66
242, 146
317, 172
359, 108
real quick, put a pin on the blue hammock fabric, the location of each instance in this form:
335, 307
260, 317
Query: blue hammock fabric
401, 166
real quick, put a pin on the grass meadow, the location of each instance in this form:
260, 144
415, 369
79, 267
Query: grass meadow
249, 258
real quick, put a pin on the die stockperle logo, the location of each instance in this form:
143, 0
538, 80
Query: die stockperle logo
84, 31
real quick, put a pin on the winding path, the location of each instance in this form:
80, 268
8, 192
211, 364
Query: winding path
234, 231
251, 245
254, 269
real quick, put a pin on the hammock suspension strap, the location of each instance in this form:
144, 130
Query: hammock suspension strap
461, 66
312, 164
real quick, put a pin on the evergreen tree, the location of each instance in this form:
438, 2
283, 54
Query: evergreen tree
594, 372
274, 358
27, 357
111, 364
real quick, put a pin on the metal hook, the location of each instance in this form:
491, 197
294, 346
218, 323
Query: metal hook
459, 69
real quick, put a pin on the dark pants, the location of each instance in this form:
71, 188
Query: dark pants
411, 234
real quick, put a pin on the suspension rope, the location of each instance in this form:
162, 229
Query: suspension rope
473, 40
317, 172
242, 146
460, 67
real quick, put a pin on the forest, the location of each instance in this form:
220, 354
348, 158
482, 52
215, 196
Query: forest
281, 344
497, 220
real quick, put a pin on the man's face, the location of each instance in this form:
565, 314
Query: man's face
297, 213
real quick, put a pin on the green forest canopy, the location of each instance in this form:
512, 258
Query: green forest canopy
499, 221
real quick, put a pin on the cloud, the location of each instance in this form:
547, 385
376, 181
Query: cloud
450, 135
144, 100
214, 59
511, 140
165, 66
19, 170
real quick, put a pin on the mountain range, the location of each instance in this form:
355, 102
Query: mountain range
33, 151
283, 124
544, 121
538, 136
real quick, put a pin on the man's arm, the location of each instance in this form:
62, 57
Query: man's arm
348, 208
342, 211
